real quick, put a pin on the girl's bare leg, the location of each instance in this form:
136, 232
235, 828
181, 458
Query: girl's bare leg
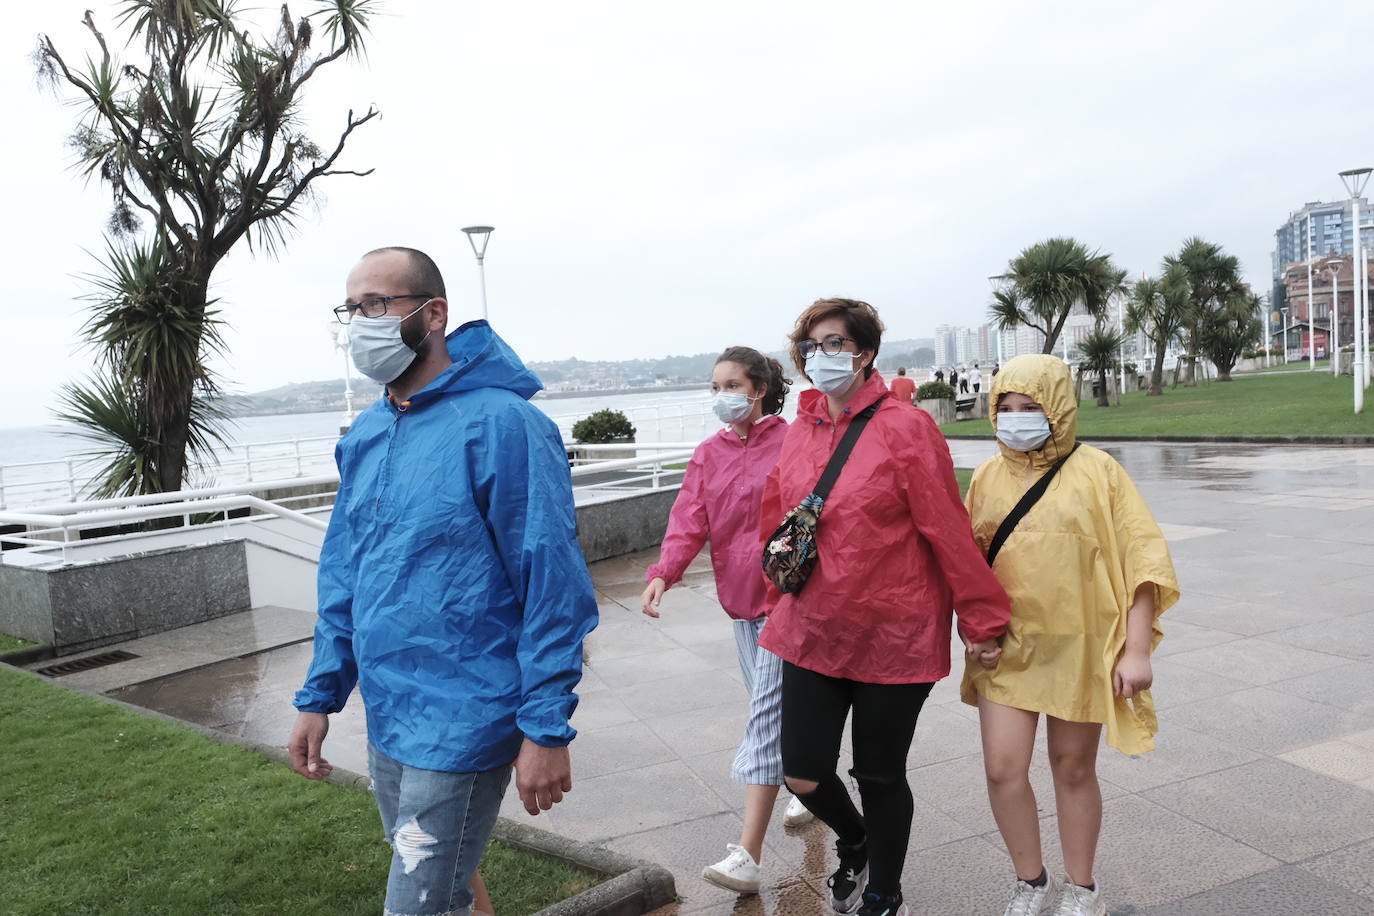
1077, 795
481, 900
758, 811
1008, 740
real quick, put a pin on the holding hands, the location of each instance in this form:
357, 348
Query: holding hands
987, 653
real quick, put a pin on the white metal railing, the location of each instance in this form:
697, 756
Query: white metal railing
58, 526
244, 462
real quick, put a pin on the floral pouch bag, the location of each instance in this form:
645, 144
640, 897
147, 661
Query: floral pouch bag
790, 554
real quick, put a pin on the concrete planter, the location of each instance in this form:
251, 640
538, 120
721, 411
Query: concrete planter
941, 409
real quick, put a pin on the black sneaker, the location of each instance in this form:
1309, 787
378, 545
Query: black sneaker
849, 880
892, 905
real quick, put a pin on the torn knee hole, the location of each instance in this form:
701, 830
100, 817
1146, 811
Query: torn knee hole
412, 842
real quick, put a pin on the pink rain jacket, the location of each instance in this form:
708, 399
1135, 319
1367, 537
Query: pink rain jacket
896, 549
719, 499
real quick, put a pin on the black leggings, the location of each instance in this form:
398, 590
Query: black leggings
814, 708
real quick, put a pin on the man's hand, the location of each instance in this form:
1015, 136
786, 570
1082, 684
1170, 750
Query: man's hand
1133, 673
986, 653
653, 594
307, 737
542, 775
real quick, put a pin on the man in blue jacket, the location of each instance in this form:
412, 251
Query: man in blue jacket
451, 589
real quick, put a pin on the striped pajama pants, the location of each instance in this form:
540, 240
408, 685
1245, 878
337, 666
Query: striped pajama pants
759, 761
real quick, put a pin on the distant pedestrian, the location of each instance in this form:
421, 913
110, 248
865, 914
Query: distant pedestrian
996, 368
1088, 573
975, 378
963, 383
939, 375
719, 502
903, 388
954, 379
868, 634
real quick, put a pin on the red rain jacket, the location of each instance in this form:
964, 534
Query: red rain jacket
719, 500
896, 550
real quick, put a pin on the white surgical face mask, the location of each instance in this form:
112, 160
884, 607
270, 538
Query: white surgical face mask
831, 374
377, 348
732, 407
1023, 431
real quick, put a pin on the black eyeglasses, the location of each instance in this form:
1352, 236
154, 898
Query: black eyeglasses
831, 345
372, 306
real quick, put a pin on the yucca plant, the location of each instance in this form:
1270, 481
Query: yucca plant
1212, 278
1101, 350
1046, 281
1159, 309
197, 131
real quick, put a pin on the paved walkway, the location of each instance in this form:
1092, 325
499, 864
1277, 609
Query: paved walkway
1260, 798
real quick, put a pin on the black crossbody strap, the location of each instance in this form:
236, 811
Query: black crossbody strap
837, 460
1031, 497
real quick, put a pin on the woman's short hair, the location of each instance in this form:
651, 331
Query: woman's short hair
860, 319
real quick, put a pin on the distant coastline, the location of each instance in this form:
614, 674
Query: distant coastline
596, 392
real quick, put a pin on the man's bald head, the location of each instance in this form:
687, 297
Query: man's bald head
421, 273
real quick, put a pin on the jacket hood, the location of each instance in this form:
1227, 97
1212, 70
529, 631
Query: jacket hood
481, 359
1046, 380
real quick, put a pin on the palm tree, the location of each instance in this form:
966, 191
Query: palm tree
1100, 350
1211, 277
1159, 308
1232, 330
196, 125
1047, 280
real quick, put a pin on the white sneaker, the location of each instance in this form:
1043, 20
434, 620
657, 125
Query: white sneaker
1029, 900
1079, 901
796, 814
736, 872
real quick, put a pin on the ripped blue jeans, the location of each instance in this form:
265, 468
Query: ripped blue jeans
438, 825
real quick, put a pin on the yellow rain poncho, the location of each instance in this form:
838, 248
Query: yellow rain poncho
1071, 568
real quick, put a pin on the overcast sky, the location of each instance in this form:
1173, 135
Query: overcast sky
677, 178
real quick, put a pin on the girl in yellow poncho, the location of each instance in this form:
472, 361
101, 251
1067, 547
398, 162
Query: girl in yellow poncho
1088, 573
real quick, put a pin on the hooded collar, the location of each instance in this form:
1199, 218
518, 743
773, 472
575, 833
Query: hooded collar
481, 359
813, 405
1047, 381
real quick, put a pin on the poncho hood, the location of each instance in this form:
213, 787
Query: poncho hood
1048, 381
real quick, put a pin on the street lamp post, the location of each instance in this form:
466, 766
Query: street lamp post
1268, 341
1311, 325
478, 237
340, 334
1354, 181
1333, 267
1363, 268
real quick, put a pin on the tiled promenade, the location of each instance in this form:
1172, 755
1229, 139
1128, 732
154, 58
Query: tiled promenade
1260, 798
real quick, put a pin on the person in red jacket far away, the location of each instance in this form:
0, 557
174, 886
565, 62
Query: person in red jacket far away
869, 633
903, 388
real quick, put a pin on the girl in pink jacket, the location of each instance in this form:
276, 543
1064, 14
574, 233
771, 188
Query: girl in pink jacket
720, 498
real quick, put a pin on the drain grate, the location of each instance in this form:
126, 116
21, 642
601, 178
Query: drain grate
87, 663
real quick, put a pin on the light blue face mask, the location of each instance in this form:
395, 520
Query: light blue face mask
831, 373
377, 348
1023, 431
732, 407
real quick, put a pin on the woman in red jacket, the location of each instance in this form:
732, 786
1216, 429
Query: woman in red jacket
869, 634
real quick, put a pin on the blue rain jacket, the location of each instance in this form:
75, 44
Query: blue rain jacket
452, 589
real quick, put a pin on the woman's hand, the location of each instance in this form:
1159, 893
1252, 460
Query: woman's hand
653, 594
1132, 674
987, 653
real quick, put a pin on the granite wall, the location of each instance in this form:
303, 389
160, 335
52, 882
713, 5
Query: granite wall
74, 608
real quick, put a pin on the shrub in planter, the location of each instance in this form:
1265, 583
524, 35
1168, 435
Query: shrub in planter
603, 426
933, 390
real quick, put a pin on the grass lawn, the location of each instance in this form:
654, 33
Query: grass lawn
108, 812
1296, 365
9, 643
1308, 404
963, 475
